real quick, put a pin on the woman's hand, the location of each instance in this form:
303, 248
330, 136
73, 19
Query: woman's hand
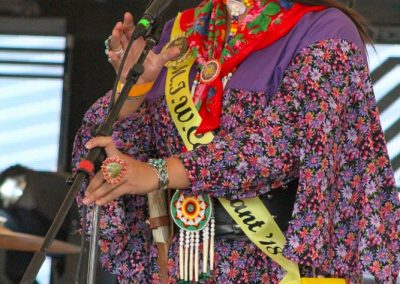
140, 178
120, 38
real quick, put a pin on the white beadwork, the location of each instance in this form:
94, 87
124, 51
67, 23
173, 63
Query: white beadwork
212, 235
196, 255
205, 248
191, 256
187, 244
235, 7
181, 264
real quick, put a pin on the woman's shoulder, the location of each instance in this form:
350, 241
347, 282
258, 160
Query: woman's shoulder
313, 28
327, 24
335, 22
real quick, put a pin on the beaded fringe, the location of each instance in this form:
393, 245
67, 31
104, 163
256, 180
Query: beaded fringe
189, 262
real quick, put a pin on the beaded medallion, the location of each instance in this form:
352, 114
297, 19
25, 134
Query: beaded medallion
191, 213
210, 71
184, 54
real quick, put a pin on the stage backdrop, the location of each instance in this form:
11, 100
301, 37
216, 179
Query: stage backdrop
32, 98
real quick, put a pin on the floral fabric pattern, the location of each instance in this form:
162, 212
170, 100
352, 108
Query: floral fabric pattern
321, 126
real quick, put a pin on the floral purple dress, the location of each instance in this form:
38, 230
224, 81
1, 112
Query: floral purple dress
302, 108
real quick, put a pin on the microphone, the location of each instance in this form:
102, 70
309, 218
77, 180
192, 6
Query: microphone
156, 8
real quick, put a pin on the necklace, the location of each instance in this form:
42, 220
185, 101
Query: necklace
236, 8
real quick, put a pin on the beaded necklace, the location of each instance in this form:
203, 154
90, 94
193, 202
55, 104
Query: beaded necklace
236, 9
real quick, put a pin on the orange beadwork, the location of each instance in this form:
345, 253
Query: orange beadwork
248, 3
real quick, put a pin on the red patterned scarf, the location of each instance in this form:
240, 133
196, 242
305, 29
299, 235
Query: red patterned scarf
266, 22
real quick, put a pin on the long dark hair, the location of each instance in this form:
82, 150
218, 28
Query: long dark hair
356, 17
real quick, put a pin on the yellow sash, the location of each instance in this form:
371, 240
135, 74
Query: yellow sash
264, 232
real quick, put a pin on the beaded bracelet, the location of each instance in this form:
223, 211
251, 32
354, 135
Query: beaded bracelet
160, 167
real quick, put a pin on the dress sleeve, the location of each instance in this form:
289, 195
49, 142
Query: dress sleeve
122, 223
346, 217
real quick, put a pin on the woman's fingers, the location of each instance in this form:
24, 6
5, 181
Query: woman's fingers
113, 194
98, 188
115, 46
155, 62
128, 25
105, 142
114, 59
95, 183
115, 38
118, 44
104, 193
139, 178
169, 54
126, 30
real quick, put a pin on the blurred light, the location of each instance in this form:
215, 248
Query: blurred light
11, 190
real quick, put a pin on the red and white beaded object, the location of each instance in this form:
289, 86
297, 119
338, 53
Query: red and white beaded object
113, 169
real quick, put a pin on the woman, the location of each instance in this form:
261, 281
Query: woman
284, 92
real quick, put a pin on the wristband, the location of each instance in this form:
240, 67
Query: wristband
137, 90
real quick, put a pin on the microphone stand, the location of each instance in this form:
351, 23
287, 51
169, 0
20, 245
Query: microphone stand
87, 167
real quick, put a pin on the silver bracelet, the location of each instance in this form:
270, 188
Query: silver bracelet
160, 167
